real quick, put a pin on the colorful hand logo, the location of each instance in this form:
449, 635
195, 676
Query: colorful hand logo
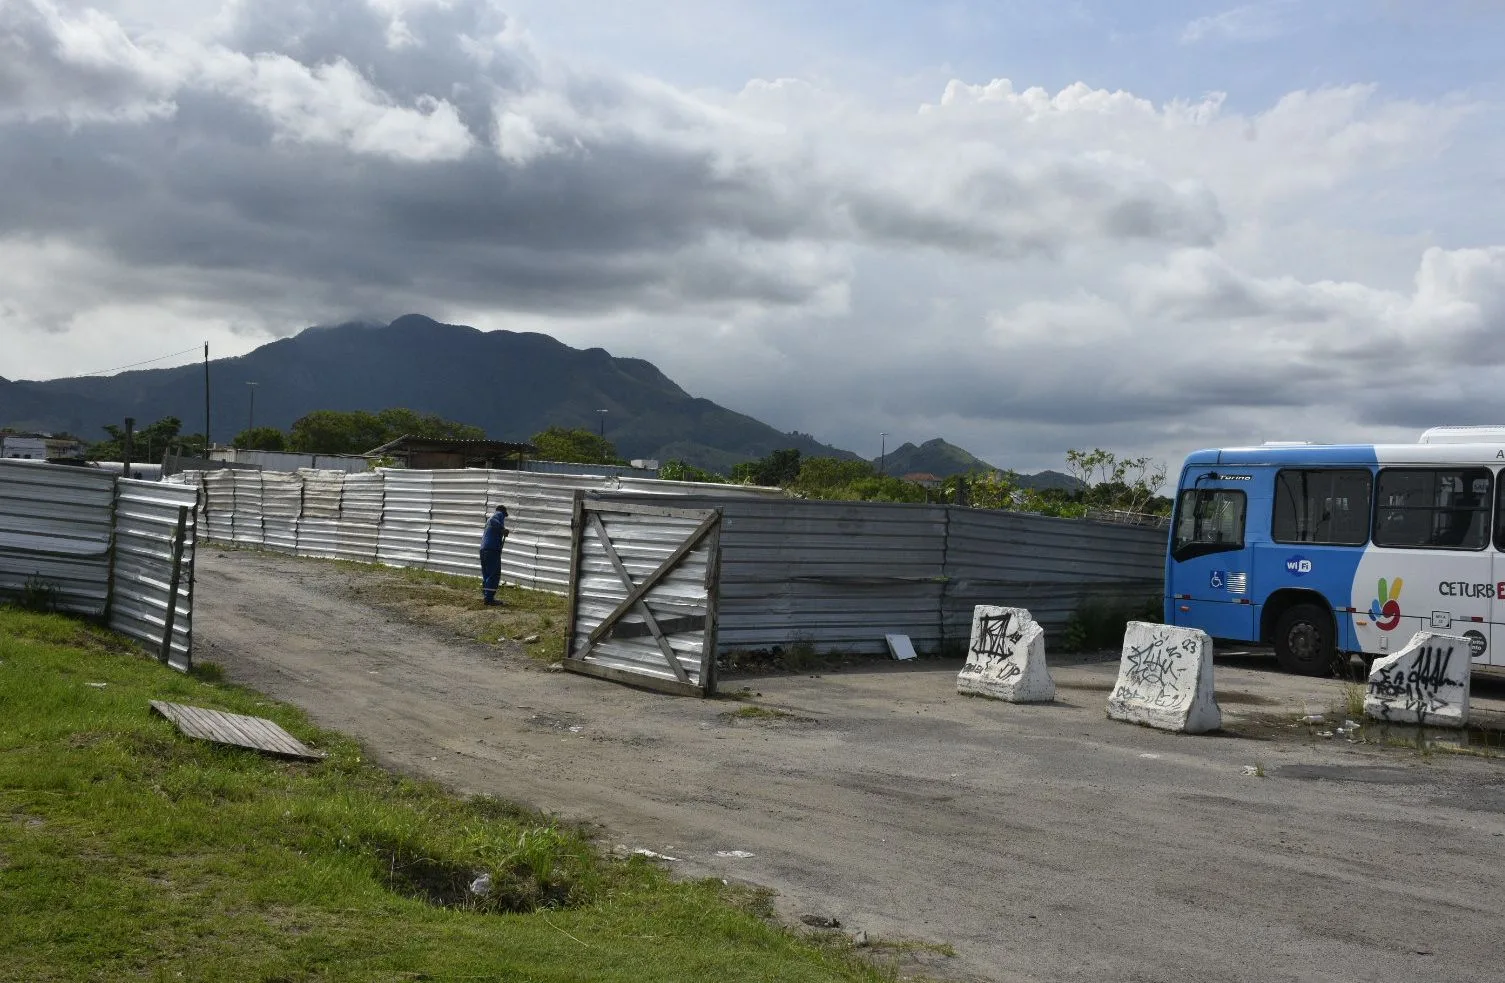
1385, 610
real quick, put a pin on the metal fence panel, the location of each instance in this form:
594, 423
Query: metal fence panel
406, 515
1048, 565
358, 530
55, 526
668, 557
459, 514
219, 506
246, 528
153, 577
539, 506
836, 575
281, 507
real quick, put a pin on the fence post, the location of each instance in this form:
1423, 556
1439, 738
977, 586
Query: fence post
172, 587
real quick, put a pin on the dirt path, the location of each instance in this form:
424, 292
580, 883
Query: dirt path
1043, 843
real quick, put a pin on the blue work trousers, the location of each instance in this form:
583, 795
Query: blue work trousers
491, 573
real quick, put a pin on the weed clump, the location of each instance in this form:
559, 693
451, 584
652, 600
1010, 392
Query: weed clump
1099, 624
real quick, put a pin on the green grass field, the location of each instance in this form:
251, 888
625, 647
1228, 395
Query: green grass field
130, 852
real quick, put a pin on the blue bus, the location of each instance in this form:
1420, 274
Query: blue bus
1328, 550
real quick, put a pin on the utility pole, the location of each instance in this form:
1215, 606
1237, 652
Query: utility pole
603, 422
251, 415
125, 447
883, 454
206, 401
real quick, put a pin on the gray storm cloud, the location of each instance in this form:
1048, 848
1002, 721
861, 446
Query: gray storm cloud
1002, 261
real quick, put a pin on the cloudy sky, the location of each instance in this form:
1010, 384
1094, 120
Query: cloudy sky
1021, 226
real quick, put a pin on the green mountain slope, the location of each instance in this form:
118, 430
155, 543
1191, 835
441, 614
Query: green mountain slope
510, 384
935, 457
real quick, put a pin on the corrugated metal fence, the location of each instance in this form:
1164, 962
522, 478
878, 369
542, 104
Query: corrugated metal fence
840, 575
102, 546
151, 596
426, 519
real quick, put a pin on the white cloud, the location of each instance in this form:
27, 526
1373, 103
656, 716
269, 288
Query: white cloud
1250, 22
1019, 270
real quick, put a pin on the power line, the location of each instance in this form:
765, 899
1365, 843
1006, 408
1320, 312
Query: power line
149, 361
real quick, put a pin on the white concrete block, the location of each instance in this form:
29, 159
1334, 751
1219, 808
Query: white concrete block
1424, 683
900, 647
1165, 679
1006, 658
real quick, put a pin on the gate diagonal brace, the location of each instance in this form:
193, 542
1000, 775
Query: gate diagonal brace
637, 603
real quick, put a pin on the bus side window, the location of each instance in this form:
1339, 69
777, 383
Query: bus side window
1423, 508
1327, 506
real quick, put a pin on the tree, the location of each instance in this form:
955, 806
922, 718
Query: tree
852, 481
778, 469
148, 443
580, 446
1130, 484
358, 431
680, 471
260, 439
992, 489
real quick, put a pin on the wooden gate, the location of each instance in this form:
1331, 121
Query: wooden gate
643, 585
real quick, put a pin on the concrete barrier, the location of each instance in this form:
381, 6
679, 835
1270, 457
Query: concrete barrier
1006, 658
1165, 679
1424, 683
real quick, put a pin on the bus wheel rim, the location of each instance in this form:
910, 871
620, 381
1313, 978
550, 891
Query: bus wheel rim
1303, 641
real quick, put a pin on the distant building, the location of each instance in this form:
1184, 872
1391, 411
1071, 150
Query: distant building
278, 461
426, 453
924, 479
40, 447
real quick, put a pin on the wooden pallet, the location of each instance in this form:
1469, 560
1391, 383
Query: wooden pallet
236, 729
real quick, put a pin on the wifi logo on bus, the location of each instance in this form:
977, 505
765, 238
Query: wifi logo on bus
1385, 609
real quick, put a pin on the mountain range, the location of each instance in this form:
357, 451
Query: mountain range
511, 384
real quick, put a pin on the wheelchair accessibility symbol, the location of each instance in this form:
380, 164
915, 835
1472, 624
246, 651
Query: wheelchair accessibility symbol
1217, 580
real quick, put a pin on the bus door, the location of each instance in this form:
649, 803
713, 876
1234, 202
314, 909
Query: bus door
1493, 653
1431, 567
1210, 564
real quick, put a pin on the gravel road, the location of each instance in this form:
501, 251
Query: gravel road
1042, 843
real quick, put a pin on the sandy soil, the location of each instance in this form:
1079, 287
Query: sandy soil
1042, 843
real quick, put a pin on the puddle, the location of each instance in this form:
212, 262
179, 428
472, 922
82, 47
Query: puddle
1103, 687
1367, 774
1432, 738
1246, 699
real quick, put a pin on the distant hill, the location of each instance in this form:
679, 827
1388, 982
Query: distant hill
943, 459
935, 457
1045, 480
510, 384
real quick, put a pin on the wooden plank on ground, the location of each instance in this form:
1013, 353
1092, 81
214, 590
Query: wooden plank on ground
256, 733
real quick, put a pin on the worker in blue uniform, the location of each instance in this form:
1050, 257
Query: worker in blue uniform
491, 554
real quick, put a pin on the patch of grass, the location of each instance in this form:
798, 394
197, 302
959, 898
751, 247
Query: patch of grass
1352, 706
800, 655
453, 602
40, 594
131, 852
1099, 624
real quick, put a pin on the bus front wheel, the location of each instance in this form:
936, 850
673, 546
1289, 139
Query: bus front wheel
1304, 640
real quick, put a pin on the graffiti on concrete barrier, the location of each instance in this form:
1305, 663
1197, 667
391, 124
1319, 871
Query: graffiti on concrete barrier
998, 637
1413, 689
1152, 670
